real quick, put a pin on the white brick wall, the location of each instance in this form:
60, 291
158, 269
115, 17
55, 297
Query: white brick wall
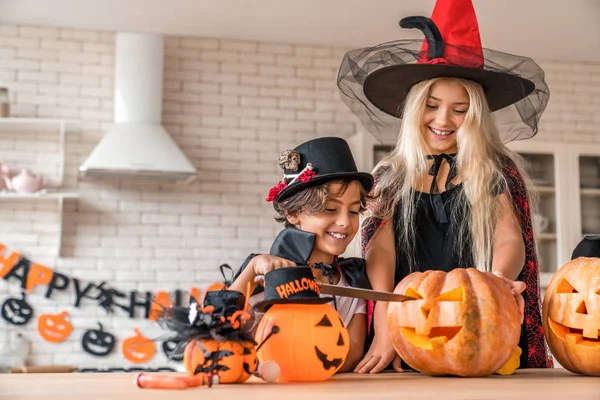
232, 106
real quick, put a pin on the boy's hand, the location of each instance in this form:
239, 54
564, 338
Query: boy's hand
379, 356
265, 263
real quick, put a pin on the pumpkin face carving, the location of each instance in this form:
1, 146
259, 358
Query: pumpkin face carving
311, 344
16, 311
571, 316
138, 348
97, 342
231, 361
464, 322
54, 328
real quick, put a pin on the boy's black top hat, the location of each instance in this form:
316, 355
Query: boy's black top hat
314, 163
291, 285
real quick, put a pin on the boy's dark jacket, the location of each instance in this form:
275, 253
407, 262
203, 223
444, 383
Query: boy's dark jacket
296, 245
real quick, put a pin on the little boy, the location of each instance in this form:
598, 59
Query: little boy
319, 200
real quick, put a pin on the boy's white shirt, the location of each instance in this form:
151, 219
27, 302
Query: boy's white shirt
347, 307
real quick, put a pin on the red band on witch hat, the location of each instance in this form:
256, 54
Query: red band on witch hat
457, 23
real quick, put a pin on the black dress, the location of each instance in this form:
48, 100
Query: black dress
436, 235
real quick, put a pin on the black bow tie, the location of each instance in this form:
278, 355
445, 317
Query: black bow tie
435, 197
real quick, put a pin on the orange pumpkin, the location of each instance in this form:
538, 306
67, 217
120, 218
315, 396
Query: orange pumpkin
571, 316
54, 328
311, 344
464, 322
231, 361
138, 348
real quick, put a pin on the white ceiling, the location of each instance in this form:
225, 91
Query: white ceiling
543, 29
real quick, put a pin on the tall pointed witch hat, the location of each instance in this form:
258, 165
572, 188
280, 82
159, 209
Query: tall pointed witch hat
375, 81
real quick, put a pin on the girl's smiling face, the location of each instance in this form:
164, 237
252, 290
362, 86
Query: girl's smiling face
336, 225
445, 110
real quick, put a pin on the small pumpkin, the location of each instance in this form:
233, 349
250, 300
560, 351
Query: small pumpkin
464, 322
232, 361
98, 342
571, 316
54, 327
310, 345
16, 311
138, 348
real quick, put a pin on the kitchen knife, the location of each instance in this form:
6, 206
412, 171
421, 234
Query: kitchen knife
362, 293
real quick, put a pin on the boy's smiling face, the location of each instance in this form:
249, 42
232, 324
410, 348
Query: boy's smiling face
335, 226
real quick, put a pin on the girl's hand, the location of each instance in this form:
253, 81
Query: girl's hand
379, 356
516, 288
264, 263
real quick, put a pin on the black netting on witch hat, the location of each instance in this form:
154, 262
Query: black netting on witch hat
374, 82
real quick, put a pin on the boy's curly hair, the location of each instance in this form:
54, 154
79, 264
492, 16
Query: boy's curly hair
313, 200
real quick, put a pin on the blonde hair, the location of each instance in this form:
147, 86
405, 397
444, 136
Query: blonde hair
480, 161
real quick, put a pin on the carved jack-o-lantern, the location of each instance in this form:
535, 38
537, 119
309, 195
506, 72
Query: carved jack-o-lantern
54, 328
464, 322
232, 361
138, 348
310, 345
98, 342
571, 316
16, 311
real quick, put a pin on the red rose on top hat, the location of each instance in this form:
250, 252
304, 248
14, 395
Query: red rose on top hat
314, 163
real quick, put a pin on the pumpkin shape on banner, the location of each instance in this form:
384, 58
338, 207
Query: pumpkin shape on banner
138, 348
54, 327
571, 316
299, 331
16, 311
98, 342
464, 322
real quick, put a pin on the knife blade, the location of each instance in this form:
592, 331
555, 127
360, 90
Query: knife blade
362, 293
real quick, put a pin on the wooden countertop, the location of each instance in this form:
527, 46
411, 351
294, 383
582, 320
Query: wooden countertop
526, 384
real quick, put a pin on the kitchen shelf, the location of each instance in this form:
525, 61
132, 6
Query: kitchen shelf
545, 189
41, 196
590, 192
34, 130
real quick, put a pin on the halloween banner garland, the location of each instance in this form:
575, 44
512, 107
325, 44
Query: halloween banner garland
31, 274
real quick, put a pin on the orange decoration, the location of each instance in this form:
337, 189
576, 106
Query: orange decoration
6, 264
310, 345
161, 302
54, 328
571, 316
231, 361
464, 322
138, 348
38, 275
